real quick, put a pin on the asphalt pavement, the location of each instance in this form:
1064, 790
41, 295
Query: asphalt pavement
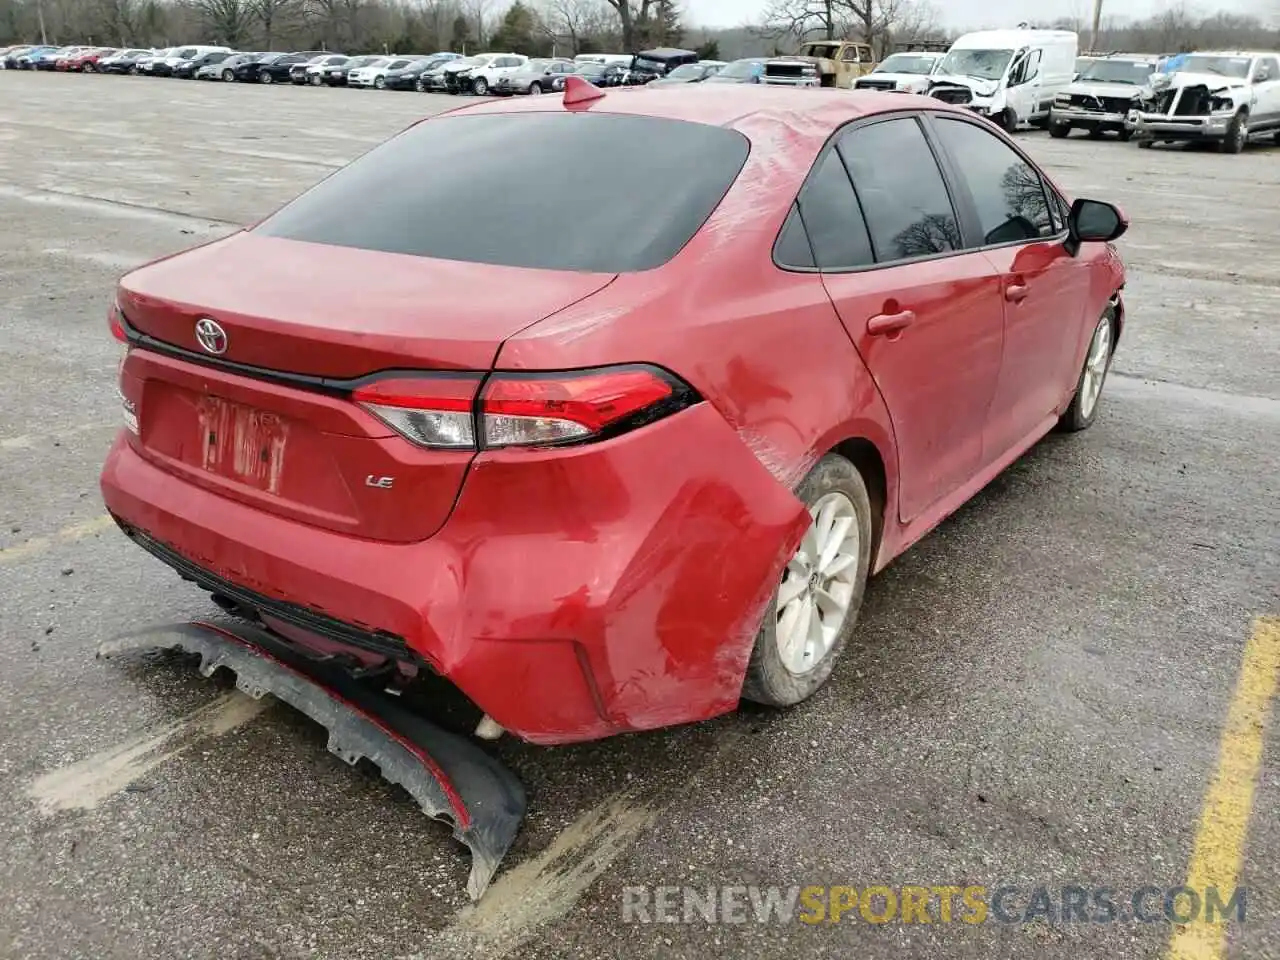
1036, 696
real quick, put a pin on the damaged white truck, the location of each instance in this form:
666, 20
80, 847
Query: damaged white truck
1225, 98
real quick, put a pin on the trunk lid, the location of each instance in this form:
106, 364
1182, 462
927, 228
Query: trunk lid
266, 421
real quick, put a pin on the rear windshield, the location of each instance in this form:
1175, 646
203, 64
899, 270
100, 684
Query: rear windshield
437, 190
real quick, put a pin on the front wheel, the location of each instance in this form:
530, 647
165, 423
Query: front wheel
1237, 135
480, 86
1097, 362
1145, 144
265, 77
815, 605
379, 83
1125, 135
535, 88
1009, 120
1059, 130
420, 86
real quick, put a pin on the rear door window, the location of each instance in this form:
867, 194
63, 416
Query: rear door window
832, 219
904, 198
431, 192
1007, 192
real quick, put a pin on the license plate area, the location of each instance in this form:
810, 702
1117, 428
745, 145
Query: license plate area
242, 443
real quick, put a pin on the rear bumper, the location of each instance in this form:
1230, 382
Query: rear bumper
572, 594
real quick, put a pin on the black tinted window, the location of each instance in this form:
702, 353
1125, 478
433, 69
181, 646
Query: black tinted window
436, 190
792, 248
1006, 190
833, 219
901, 190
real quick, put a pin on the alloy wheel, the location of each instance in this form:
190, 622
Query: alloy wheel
819, 584
1095, 367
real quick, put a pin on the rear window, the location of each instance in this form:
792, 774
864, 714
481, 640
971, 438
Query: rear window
458, 188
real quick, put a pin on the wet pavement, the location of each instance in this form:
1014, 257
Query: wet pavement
1036, 695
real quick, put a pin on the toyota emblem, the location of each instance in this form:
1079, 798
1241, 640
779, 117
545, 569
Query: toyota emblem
211, 336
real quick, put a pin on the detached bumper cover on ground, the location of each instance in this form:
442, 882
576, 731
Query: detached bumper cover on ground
449, 777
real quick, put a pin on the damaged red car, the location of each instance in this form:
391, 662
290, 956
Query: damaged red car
617, 450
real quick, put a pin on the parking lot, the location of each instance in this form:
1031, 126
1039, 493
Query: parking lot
1036, 696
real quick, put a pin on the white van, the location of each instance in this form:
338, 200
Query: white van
1010, 76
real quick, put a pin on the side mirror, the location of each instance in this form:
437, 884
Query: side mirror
1094, 221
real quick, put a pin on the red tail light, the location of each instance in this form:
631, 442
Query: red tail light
431, 411
116, 324
523, 409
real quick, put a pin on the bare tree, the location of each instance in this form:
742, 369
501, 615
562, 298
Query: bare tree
478, 14
801, 20
269, 13
633, 18
230, 21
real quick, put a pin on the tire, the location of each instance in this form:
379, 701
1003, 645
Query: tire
1145, 144
133, 71
228, 76
535, 88
1084, 404
1009, 121
1237, 134
1059, 130
1095, 134
265, 77
420, 86
480, 86
1125, 135
379, 83
833, 483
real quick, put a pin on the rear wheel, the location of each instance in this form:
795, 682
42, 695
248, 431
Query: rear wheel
1145, 144
815, 606
1097, 361
535, 88
1125, 135
420, 86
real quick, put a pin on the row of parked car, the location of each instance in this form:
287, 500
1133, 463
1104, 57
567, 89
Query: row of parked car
481, 74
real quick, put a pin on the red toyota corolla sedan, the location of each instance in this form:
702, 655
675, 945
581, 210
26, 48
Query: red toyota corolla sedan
615, 447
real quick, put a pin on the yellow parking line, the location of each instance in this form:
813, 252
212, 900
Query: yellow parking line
70, 534
1218, 855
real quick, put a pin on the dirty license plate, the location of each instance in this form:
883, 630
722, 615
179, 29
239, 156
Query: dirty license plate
242, 443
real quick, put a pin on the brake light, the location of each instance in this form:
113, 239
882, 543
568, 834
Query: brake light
115, 322
431, 411
534, 409
523, 409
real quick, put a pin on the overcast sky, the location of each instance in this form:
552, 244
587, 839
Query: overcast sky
966, 13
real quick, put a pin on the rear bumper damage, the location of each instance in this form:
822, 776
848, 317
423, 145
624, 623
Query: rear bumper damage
572, 594
449, 777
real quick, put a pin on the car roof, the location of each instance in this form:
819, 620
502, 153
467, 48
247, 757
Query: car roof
809, 114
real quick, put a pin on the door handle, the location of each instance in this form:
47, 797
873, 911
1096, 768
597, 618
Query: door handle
1015, 292
885, 324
